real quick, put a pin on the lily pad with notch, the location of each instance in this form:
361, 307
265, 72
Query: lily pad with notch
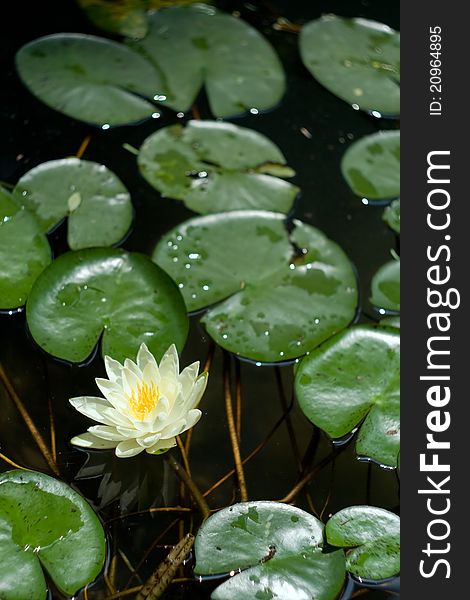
371, 536
371, 166
105, 292
24, 252
278, 548
89, 78
385, 287
278, 294
353, 381
92, 197
358, 60
192, 46
217, 167
46, 525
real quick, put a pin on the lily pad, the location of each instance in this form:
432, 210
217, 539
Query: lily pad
391, 216
24, 252
97, 204
197, 45
385, 287
371, 166
372, 536
279, 294
356, 59
279, 549
217, 167
125, 17
121, 296
354, 380
390, 322
44, 524
89, 78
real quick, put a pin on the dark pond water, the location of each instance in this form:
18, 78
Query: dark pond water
32, 134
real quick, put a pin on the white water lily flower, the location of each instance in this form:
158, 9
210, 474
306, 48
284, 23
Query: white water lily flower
146, 404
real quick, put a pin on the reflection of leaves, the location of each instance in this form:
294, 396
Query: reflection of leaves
138, 483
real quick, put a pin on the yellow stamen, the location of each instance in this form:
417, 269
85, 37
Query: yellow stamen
146, 401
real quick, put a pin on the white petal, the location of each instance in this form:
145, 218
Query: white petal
151, 374
148, 440
197, 391
192, 418
174, 428
131, 366
113, 368
99, 410
88, 440
145, 357
130, 382
107, 433
162, 446
187, 378
169, 365
112, 391
129, 433
128, 448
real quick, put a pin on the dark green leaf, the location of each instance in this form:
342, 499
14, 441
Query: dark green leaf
275, 303
43, 522
371, 166
198, 45
216, 167
391, 215
97, 204
385, 287
279, 548
373, 538
89, 78
122, 296
356, 59
24, 252
355, 377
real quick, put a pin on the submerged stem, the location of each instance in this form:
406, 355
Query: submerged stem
189, 483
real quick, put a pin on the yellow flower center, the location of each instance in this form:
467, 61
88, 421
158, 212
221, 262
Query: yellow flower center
145, 401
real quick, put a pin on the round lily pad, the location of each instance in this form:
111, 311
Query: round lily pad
371, 166
279, 295
385, 287
390, 322
391, 216
24, 252
356, 59
217, 167
45, 524
197, 45
354, 380
94, 199
279, 547
89, 78
121, 296
372, 536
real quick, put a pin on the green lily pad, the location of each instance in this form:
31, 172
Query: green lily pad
125, 17
217, 167
45, 524
371, 166
96, 292
197, 45
355, 377
276, 301
391, 216
356, 59
385, 287
279, 547
373, 537
24, 252
89, 78
97, 204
